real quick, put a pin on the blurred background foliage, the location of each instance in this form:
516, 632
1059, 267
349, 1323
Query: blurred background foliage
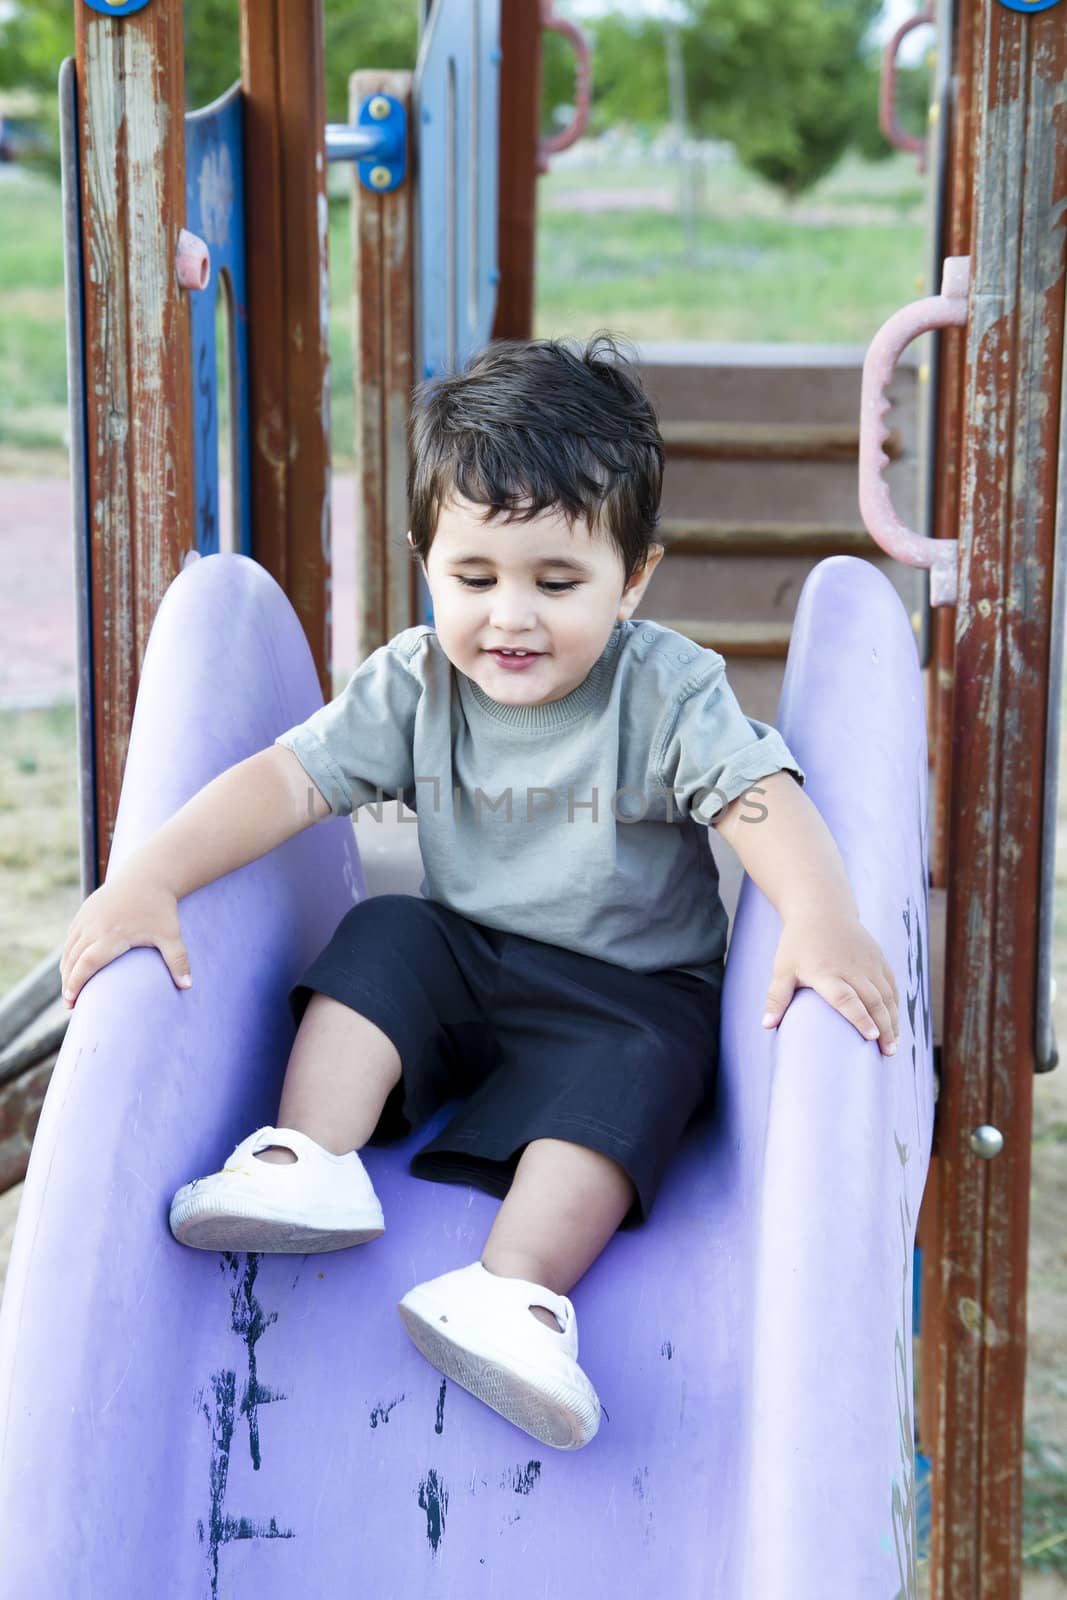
791, 88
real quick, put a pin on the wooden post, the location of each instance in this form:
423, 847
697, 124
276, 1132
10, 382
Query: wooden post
383, 341
138, 393
957, 37
286, 223
520, 132
1012, 447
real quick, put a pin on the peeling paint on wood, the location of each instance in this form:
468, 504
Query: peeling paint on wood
1006, 452
384, 341
137, 355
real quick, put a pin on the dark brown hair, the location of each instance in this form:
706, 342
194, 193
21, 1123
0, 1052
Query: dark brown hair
535, 423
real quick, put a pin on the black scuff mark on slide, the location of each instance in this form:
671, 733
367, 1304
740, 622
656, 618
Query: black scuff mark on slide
381, 1413
439, 1420
521, 1479
433, 1498
666, 1349
643, 1496
221, 1528
249, 1321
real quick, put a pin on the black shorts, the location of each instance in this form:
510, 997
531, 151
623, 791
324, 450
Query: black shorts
538, 1042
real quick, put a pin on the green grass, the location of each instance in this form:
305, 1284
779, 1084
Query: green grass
33, 360
1044, 1506
829, 268
39, 849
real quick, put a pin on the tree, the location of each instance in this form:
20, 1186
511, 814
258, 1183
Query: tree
780, 82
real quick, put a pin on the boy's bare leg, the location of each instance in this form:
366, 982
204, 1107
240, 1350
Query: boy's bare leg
341, 1069
564, 1204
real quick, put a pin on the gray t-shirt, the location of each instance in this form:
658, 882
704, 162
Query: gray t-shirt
580, 822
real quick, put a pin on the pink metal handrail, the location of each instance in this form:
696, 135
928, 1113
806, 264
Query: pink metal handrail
945, 310
583, 75
887, 96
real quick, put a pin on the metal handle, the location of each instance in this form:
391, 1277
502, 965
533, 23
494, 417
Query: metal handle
887, 96
945, 310
583, 79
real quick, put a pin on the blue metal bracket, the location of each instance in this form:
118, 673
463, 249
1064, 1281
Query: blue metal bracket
377, 142
121, 8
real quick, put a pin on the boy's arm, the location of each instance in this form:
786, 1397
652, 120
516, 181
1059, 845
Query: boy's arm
237, 817
786, 848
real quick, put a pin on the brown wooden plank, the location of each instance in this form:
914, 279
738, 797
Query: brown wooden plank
772, 441
961, 45
138, 388
520, 130
288, 306
1003, 625
761, 639
384, 335
764, 539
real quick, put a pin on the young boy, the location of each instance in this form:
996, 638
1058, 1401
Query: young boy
562, 966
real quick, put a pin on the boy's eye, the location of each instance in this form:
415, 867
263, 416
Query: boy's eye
552, 587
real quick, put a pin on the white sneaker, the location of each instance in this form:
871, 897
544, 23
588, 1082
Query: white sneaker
478, 1329
317, 1202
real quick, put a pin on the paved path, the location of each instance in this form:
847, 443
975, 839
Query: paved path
37, 637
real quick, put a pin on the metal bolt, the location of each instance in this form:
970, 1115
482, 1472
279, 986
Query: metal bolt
381, 177
379, 108
986, 1141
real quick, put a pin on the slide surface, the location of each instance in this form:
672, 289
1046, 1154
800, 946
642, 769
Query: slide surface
239, 1426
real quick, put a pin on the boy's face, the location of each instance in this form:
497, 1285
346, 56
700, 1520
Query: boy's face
509, 584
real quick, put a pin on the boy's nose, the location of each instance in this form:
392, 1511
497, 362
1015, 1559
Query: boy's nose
512, 615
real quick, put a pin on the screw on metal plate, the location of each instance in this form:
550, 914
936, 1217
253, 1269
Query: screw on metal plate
986, 1141
376, 142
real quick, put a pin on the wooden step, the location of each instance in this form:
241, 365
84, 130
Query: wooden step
769, 441
707, 382
813, 541
762, 639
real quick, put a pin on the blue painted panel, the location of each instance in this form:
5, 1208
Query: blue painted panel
456, 95
214, 168
455, 99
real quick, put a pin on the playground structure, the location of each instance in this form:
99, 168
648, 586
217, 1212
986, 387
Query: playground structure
731, 1498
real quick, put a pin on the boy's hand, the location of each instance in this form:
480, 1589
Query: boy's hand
125, 911
840, 959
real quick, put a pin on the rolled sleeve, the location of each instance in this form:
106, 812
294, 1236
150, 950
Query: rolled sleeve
710, 753
357, 750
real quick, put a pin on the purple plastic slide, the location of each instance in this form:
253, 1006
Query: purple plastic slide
214, 1425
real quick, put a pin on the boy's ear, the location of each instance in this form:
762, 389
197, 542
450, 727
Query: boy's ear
632, 594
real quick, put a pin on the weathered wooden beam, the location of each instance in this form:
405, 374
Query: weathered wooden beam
1008, 504
768, 441
384, 342
520, 132
759, 639
764, 539
286, 227
138, 393
29, 997
958, 41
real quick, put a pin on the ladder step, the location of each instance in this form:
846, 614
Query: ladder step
768, 441
766, 639
702, 538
